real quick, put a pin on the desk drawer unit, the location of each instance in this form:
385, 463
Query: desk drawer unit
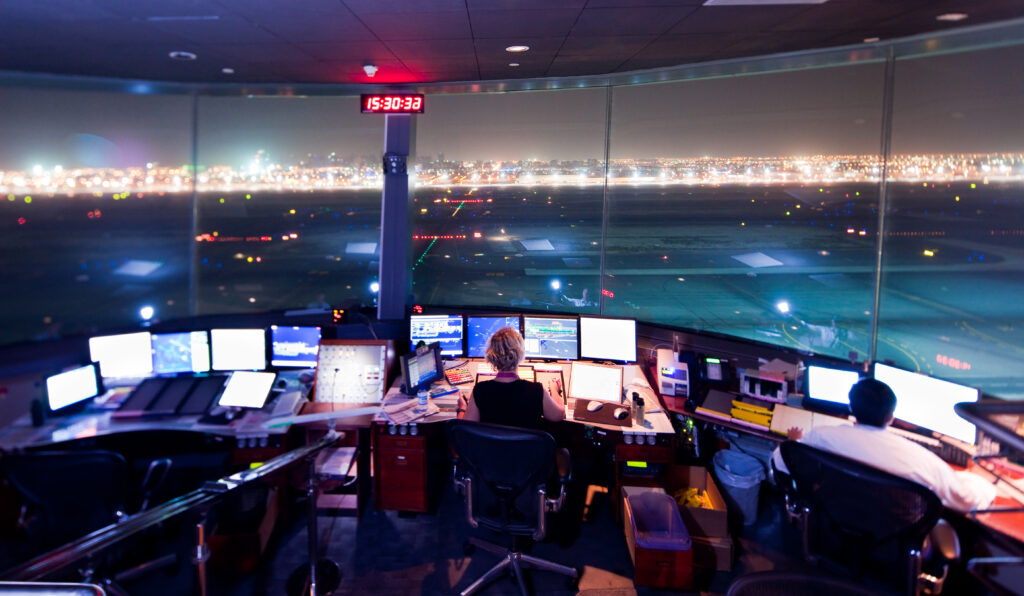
402, 474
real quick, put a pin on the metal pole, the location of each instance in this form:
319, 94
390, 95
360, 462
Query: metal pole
312, 531
604, 199
200, 556
883, 195
193, 246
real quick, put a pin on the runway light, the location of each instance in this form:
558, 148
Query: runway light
929, 253
375, 287
556, 285
146, 313
783, 306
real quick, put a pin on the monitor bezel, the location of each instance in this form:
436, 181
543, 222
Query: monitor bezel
552, 317
823, 405
465, 328
81, 404
582, 338
291, 365
403, 360
462, 328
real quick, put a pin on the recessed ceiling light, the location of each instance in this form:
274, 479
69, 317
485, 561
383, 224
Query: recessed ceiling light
513, 64
179, 55
227, 70
952, 17
516, 49
870, 39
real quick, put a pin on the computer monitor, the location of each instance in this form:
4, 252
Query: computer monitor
421, 368
238, 349
247, 389
187, 352
555, 338
353, 370
829, 386
444, 329
294, 346
595, 381
603, 338
124, 356
928, 402
71, 387
480, 328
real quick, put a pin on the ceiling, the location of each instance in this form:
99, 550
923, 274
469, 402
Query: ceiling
425, 41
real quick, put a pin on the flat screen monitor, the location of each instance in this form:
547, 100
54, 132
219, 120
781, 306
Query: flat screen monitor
830, 384
928, 402
72, 387
353, 370
604, 338
247, 389
294, 346
479, 330
238, 349
444, 329
551, 337
595, 381
124, 356
187, 352
421, 368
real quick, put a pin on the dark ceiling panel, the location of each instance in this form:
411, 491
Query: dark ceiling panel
223, 30
621, 46
527, 23
629, 21
358, 50
475, 5
733, 19
843, 15
361, 7
564, 66
418, 25
340, 27
636, 3
162, 8
260, 52
438, 48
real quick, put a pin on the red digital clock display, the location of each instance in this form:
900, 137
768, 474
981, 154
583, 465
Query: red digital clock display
392, 103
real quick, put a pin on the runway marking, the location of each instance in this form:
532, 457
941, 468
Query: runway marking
457, 208
420, 260
890, 343
995, 340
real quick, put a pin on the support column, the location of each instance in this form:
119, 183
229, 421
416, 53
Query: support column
393, 274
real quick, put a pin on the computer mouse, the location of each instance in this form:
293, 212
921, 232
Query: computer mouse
594, 406
620, 413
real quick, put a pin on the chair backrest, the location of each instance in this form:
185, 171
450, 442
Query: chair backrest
507, 467
860, 510
70, 493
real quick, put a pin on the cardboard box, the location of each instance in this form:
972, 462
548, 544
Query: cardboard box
712, 553
710, 523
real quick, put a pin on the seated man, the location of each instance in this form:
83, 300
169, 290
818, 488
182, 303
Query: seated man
873, 403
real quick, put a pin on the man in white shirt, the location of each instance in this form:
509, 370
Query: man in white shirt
873, 403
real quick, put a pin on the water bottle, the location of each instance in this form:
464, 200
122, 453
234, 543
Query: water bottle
421, 401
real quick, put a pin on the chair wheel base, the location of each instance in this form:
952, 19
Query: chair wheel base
328, 578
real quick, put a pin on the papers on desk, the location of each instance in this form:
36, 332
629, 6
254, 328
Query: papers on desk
405, 412
785, 417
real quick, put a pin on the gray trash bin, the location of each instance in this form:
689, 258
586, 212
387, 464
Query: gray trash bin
740, 477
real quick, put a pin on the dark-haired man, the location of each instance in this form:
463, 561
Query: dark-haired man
873, 403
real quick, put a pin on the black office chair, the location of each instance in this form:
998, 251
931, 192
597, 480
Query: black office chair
789, 583
67, 494
864, 519
503, 472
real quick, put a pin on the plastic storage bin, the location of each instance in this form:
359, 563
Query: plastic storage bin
740, 477
658, 542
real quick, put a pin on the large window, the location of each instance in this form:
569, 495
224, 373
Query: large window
953, 272
508, 200
94, 210
747, 205
289, 203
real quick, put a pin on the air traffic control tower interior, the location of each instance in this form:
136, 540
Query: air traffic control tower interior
253, 254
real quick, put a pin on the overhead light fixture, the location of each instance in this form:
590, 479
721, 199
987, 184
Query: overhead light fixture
952, 17
370, 70
181, 55
513, 64
517, 49
870, 39
227, 70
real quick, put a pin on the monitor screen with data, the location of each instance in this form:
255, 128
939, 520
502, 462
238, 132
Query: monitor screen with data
124, 356
294, 346
479, 330
187, 352
595, 381
421, 368
72, 387
608, 339
554, 338
247, 389
928, 402
238, 349
444, 329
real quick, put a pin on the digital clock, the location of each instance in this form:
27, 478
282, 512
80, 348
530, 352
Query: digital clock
392, 103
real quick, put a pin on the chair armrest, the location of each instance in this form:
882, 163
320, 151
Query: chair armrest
943, 542
563, 462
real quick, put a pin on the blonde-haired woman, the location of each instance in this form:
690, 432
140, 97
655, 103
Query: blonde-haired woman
509, 400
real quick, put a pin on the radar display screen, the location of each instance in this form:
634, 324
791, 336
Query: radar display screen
181, 352
551, 337
294, 346
480, 329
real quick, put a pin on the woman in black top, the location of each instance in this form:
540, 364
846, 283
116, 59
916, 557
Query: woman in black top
509, 400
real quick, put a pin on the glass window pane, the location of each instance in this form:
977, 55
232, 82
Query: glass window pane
92, 226
289, 203
747, 205
508, 199
952, 273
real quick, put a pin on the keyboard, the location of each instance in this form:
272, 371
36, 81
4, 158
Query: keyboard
949, 452
458, 375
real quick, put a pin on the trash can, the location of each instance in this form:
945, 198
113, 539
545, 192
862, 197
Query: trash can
740, 477
658, 542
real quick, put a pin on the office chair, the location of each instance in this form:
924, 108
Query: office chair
502, 472
789, 583
50, 589
67, 494
862, 518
